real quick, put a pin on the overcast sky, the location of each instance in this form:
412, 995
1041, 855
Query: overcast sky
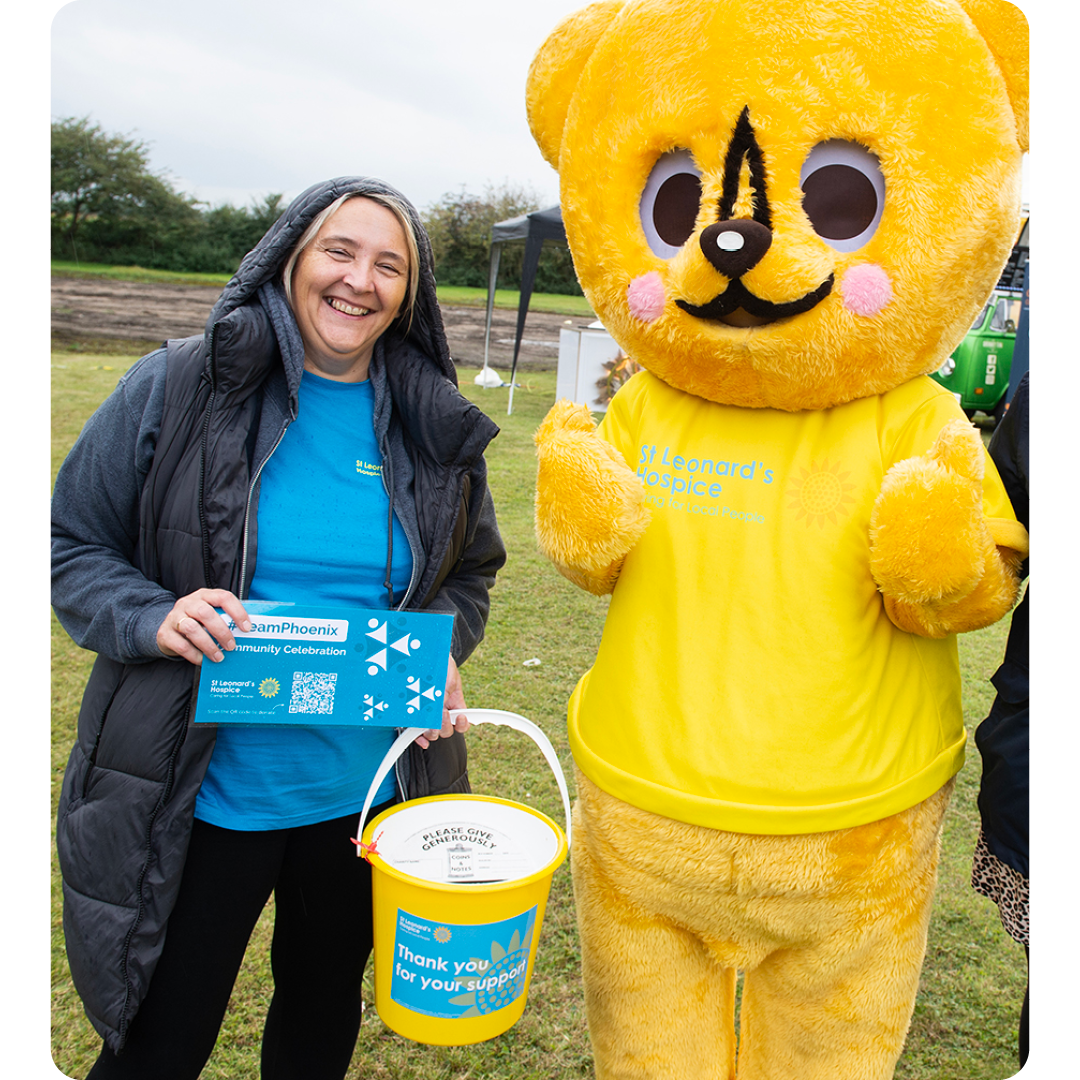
238, 98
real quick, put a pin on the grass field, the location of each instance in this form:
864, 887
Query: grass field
449, 295
972, 982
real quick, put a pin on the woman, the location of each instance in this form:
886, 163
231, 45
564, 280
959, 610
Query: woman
311, 446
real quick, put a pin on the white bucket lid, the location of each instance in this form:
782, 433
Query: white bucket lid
466, 841
534, 835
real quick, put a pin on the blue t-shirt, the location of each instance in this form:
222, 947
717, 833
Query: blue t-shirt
322, 523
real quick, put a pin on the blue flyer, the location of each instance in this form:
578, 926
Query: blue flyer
301, 664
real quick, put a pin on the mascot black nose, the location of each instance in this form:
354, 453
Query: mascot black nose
735, 246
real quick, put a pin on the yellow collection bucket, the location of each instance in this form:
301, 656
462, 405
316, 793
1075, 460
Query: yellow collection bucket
459, 888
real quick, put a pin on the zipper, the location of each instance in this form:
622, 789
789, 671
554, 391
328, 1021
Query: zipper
388, 468
203, 444
251, 493
399, 773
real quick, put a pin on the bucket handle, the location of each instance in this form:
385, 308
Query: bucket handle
476, 716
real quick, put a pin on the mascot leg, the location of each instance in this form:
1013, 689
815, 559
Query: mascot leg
829, 928
840, 1005
659, 1004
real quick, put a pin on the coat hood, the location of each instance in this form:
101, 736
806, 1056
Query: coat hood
265, 261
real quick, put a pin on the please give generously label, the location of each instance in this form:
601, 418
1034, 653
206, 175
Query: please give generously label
314, 665
460, 851
452, 971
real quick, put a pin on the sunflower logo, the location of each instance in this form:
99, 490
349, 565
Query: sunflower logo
442, 934
269, 687
500, 980
821, 493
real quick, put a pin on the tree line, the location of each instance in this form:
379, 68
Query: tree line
109, 206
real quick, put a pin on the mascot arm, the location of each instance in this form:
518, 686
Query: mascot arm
941, 565
590, 507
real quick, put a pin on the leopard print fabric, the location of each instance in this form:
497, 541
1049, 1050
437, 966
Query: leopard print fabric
1008, 888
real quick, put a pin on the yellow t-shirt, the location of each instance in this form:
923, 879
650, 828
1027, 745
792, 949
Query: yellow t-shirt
748, 677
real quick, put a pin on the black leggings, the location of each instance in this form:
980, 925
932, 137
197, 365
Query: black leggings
322, 939
1050, 1018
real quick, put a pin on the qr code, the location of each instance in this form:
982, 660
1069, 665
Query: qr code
312, 692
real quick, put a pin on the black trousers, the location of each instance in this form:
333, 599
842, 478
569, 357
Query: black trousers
322, 939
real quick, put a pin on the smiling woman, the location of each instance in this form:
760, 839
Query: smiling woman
311, 447
347, 287
352, 273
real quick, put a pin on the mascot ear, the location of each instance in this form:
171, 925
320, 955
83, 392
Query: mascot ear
1005, 31
555, 70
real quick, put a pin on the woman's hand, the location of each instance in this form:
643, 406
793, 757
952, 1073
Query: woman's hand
193, 629
453, 698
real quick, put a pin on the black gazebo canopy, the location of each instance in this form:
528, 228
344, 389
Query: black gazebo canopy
534, 229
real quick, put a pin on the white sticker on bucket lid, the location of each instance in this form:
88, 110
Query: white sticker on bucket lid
460, 862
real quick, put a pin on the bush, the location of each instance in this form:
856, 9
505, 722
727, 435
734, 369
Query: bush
108, 207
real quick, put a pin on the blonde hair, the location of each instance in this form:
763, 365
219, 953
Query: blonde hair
399, 208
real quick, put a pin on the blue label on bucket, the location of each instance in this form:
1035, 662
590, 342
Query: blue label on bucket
455, 971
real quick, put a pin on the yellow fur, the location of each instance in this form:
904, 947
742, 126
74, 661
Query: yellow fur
829, 930
927, 534
828, 927
590, 508
933, 555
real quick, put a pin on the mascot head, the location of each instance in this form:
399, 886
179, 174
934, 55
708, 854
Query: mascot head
786, 203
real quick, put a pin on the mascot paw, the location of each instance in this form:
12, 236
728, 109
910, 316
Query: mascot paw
590, 507
932, 553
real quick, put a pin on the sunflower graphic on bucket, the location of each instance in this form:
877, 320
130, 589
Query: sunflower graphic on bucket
499, 982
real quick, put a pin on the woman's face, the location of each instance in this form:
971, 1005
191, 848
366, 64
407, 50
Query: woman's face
348, 286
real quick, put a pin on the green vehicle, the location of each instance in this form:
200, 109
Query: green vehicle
977, 373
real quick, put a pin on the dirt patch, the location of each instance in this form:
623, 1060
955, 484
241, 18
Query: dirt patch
96, 315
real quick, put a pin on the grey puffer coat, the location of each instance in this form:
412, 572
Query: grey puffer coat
158, 498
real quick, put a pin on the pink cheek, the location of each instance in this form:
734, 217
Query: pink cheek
866, 289
646, 297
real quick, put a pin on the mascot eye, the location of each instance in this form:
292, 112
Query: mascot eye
669, 203
843, 193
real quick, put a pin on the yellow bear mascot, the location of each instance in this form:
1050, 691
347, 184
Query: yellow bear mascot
787, 212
